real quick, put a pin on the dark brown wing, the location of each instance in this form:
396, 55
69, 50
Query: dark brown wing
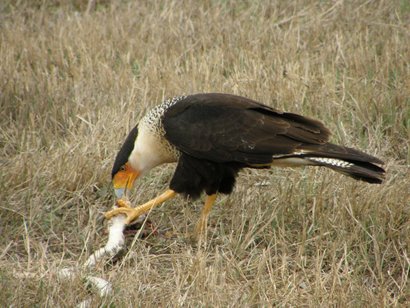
228, 128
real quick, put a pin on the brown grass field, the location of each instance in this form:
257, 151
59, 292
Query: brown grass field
74, 82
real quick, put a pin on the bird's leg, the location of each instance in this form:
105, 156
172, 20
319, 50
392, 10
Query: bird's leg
203, 219
133, 213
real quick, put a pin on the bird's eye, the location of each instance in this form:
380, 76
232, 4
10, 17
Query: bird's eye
122, 168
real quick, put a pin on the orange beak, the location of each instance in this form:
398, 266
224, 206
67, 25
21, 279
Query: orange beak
124, 180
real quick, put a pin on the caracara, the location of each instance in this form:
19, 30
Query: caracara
213, 136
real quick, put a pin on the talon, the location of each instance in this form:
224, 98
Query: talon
131, 213
123, 203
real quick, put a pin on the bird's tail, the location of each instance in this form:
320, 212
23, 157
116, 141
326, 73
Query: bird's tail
348, 161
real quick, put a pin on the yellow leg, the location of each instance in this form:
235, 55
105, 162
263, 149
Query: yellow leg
133, 213
203, 219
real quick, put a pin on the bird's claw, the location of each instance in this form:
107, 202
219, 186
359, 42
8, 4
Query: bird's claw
124, 207
131, 213
123, 203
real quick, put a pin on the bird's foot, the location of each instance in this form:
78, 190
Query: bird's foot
125, 209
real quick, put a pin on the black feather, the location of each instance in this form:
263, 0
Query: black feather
363, 167
228, 128
218, 134
125, 151
193, 175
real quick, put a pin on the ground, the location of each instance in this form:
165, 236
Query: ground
73, 82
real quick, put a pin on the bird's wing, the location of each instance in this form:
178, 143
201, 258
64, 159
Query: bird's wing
228, 128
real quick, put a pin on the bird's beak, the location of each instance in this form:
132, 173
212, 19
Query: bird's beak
124, 180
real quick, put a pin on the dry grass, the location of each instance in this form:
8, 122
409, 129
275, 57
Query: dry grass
72, 84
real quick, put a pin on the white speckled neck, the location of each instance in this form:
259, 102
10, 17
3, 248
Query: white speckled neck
153, 119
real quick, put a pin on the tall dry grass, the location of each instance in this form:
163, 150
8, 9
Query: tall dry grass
72, 84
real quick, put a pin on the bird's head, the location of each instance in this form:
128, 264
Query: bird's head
123, 174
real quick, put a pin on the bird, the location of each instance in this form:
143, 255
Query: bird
212, 136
